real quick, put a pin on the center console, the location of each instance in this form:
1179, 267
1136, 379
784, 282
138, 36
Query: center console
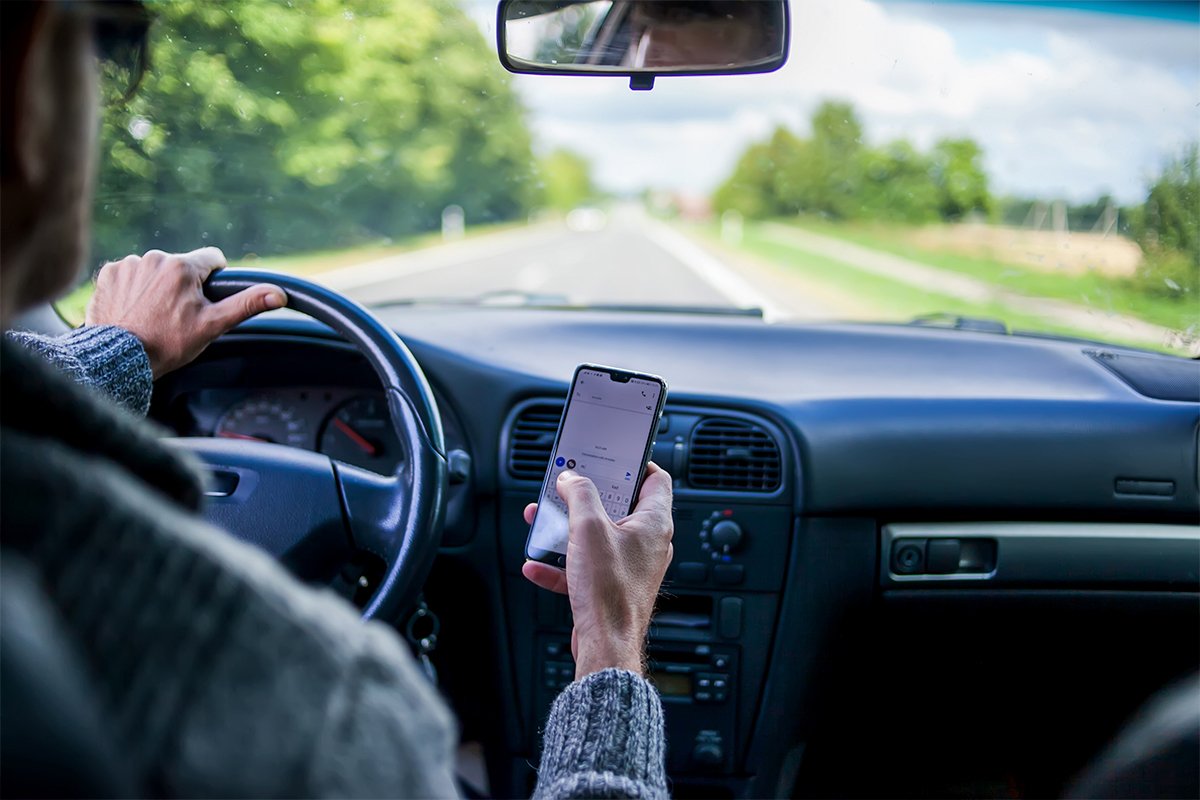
715, 619
696, 683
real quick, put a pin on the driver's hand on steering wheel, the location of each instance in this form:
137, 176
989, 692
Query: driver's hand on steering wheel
614, 570
159, 298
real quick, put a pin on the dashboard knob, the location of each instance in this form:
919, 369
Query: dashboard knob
709, 754
726, 536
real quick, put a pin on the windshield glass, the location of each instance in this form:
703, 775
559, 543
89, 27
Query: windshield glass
1033, 165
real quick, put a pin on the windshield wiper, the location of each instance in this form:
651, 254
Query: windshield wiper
942, 319
724, 311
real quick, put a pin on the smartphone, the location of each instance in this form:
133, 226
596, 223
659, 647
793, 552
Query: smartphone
606, 434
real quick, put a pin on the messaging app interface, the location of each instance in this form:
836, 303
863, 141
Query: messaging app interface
603, 439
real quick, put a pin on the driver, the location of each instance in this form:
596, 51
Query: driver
204, 665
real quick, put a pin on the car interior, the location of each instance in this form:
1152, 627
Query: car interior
910, 560
914, 563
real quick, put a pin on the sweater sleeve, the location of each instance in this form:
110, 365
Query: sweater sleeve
604, 738
103, 357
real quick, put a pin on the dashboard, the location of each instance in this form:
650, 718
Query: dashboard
864, 515
347, 425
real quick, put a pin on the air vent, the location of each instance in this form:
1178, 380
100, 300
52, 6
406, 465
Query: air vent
732, 455
531, 440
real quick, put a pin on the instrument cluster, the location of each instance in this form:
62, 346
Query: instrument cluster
349, 425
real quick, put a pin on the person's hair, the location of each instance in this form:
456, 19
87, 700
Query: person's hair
17, 21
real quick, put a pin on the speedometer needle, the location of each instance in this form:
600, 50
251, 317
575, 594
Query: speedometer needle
355, 437
246, 436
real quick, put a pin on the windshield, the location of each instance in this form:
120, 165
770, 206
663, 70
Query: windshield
991, 165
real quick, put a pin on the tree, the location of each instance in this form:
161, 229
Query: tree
748, 189
821, 175
1167, 227
566, 179
1170, 219
960, 179
835, 174
898, 186
268, 127
796, 182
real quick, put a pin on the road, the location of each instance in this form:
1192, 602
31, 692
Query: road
631, 259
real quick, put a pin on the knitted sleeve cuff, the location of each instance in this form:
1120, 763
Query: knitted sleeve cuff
604, 738
103, 357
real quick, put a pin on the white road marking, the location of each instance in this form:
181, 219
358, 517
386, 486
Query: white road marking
710, 269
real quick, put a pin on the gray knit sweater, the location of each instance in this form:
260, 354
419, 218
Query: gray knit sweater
105, 358
220, 674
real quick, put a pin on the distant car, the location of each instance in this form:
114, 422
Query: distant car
587, 219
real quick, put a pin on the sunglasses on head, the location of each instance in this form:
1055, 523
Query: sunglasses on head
120, 29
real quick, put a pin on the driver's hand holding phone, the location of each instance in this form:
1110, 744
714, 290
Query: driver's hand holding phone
614, 562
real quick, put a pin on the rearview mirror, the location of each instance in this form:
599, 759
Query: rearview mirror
642, 38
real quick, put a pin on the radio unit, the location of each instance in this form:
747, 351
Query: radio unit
697, 673
697, 683
682, 673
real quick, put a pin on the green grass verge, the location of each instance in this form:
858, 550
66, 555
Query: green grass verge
318, 261
73, 305
1093, 290
896, 301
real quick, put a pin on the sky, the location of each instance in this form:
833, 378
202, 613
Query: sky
1066, 104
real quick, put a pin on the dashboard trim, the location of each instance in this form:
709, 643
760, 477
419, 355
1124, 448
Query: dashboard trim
1062, 553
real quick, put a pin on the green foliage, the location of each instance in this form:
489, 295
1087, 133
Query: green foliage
835, 175
959, 177
758, 180
1169, 273
896, 186
824, 174
566, 180
266, 127
1168, 229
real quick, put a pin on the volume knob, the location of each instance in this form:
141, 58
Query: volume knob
726, 536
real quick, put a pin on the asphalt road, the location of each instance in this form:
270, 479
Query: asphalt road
630, 259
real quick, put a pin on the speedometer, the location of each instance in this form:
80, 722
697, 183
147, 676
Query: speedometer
360, 432
266, 419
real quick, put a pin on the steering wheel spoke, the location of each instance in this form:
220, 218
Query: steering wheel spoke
280, 499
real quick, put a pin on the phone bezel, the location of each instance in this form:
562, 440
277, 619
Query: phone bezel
553, 557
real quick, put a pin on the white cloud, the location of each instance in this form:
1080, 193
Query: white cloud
1064, 103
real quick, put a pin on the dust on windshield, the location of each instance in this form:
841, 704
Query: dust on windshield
1034, 168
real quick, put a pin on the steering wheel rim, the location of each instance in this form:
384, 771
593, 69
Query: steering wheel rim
398, 517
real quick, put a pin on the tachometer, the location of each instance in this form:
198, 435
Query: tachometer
267, 419
360, 432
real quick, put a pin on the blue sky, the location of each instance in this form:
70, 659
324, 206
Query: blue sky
1066, 103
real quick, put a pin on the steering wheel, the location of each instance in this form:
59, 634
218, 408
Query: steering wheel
301, 506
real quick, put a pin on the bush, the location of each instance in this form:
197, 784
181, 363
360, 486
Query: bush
1169, 273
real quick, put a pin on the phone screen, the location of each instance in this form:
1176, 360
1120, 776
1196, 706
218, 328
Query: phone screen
605, 435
